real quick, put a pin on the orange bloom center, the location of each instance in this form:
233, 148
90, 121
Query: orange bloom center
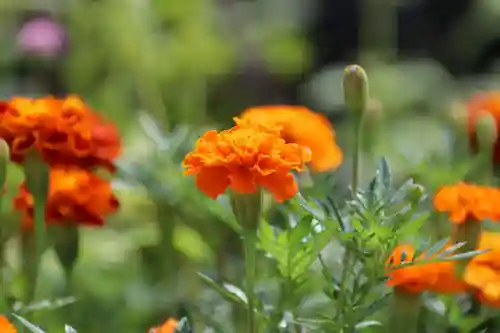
65, 131
300, 125
75, 196
243, 158
6, 326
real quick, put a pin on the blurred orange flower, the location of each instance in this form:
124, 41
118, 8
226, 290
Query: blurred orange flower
65, 131
6, 326
243, 158
483, 271
477, 107
436, 277
467, 201
302, 126
75, 196
167, 327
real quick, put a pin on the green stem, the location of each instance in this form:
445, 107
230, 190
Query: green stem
249, 243
405, 310
33, 247
3, 287
346, 263
356, 158
468, 232
40, 227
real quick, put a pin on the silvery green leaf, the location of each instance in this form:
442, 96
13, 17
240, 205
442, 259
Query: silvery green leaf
466, 255
437, 247
28, 325
368, 323
451, 249
69, 329
385, 173
183, 326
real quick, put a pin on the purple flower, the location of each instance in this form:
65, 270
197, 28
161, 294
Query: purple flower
41, 36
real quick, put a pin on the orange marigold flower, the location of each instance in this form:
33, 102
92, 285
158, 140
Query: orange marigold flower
6, 326
466, 201
436, 277
478, 106
302, 126
244, 158
167, 327
75, 196
65, 131
483, 271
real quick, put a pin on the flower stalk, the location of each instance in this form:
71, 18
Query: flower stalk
37, 181
486, 130
404, 311
248, 208
355, 84
469, 233
4, 158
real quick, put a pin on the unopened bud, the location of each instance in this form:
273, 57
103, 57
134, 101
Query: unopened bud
415, 193
486, 131
355, 85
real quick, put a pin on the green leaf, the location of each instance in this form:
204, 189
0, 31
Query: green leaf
369, 310
269, 243
66, 245
466, 255
28, 325
367, 323
451, 249
222, 291
183, 326
437, 247
69, 329
299, 232
413, 226
385, 173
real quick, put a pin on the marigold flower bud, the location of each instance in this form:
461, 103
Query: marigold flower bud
486, 129
355, 85
415, 193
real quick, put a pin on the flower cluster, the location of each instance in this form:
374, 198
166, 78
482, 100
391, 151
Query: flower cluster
262, 150
64, 131
75, 196
73, 140
465, 203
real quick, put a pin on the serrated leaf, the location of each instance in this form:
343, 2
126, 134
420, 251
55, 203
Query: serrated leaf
466, 255
385, 173
436, 248
451, 249
412, 227
223, 292
299, 232
371, 309
28, 325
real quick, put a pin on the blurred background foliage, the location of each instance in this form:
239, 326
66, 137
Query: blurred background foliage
165, 70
